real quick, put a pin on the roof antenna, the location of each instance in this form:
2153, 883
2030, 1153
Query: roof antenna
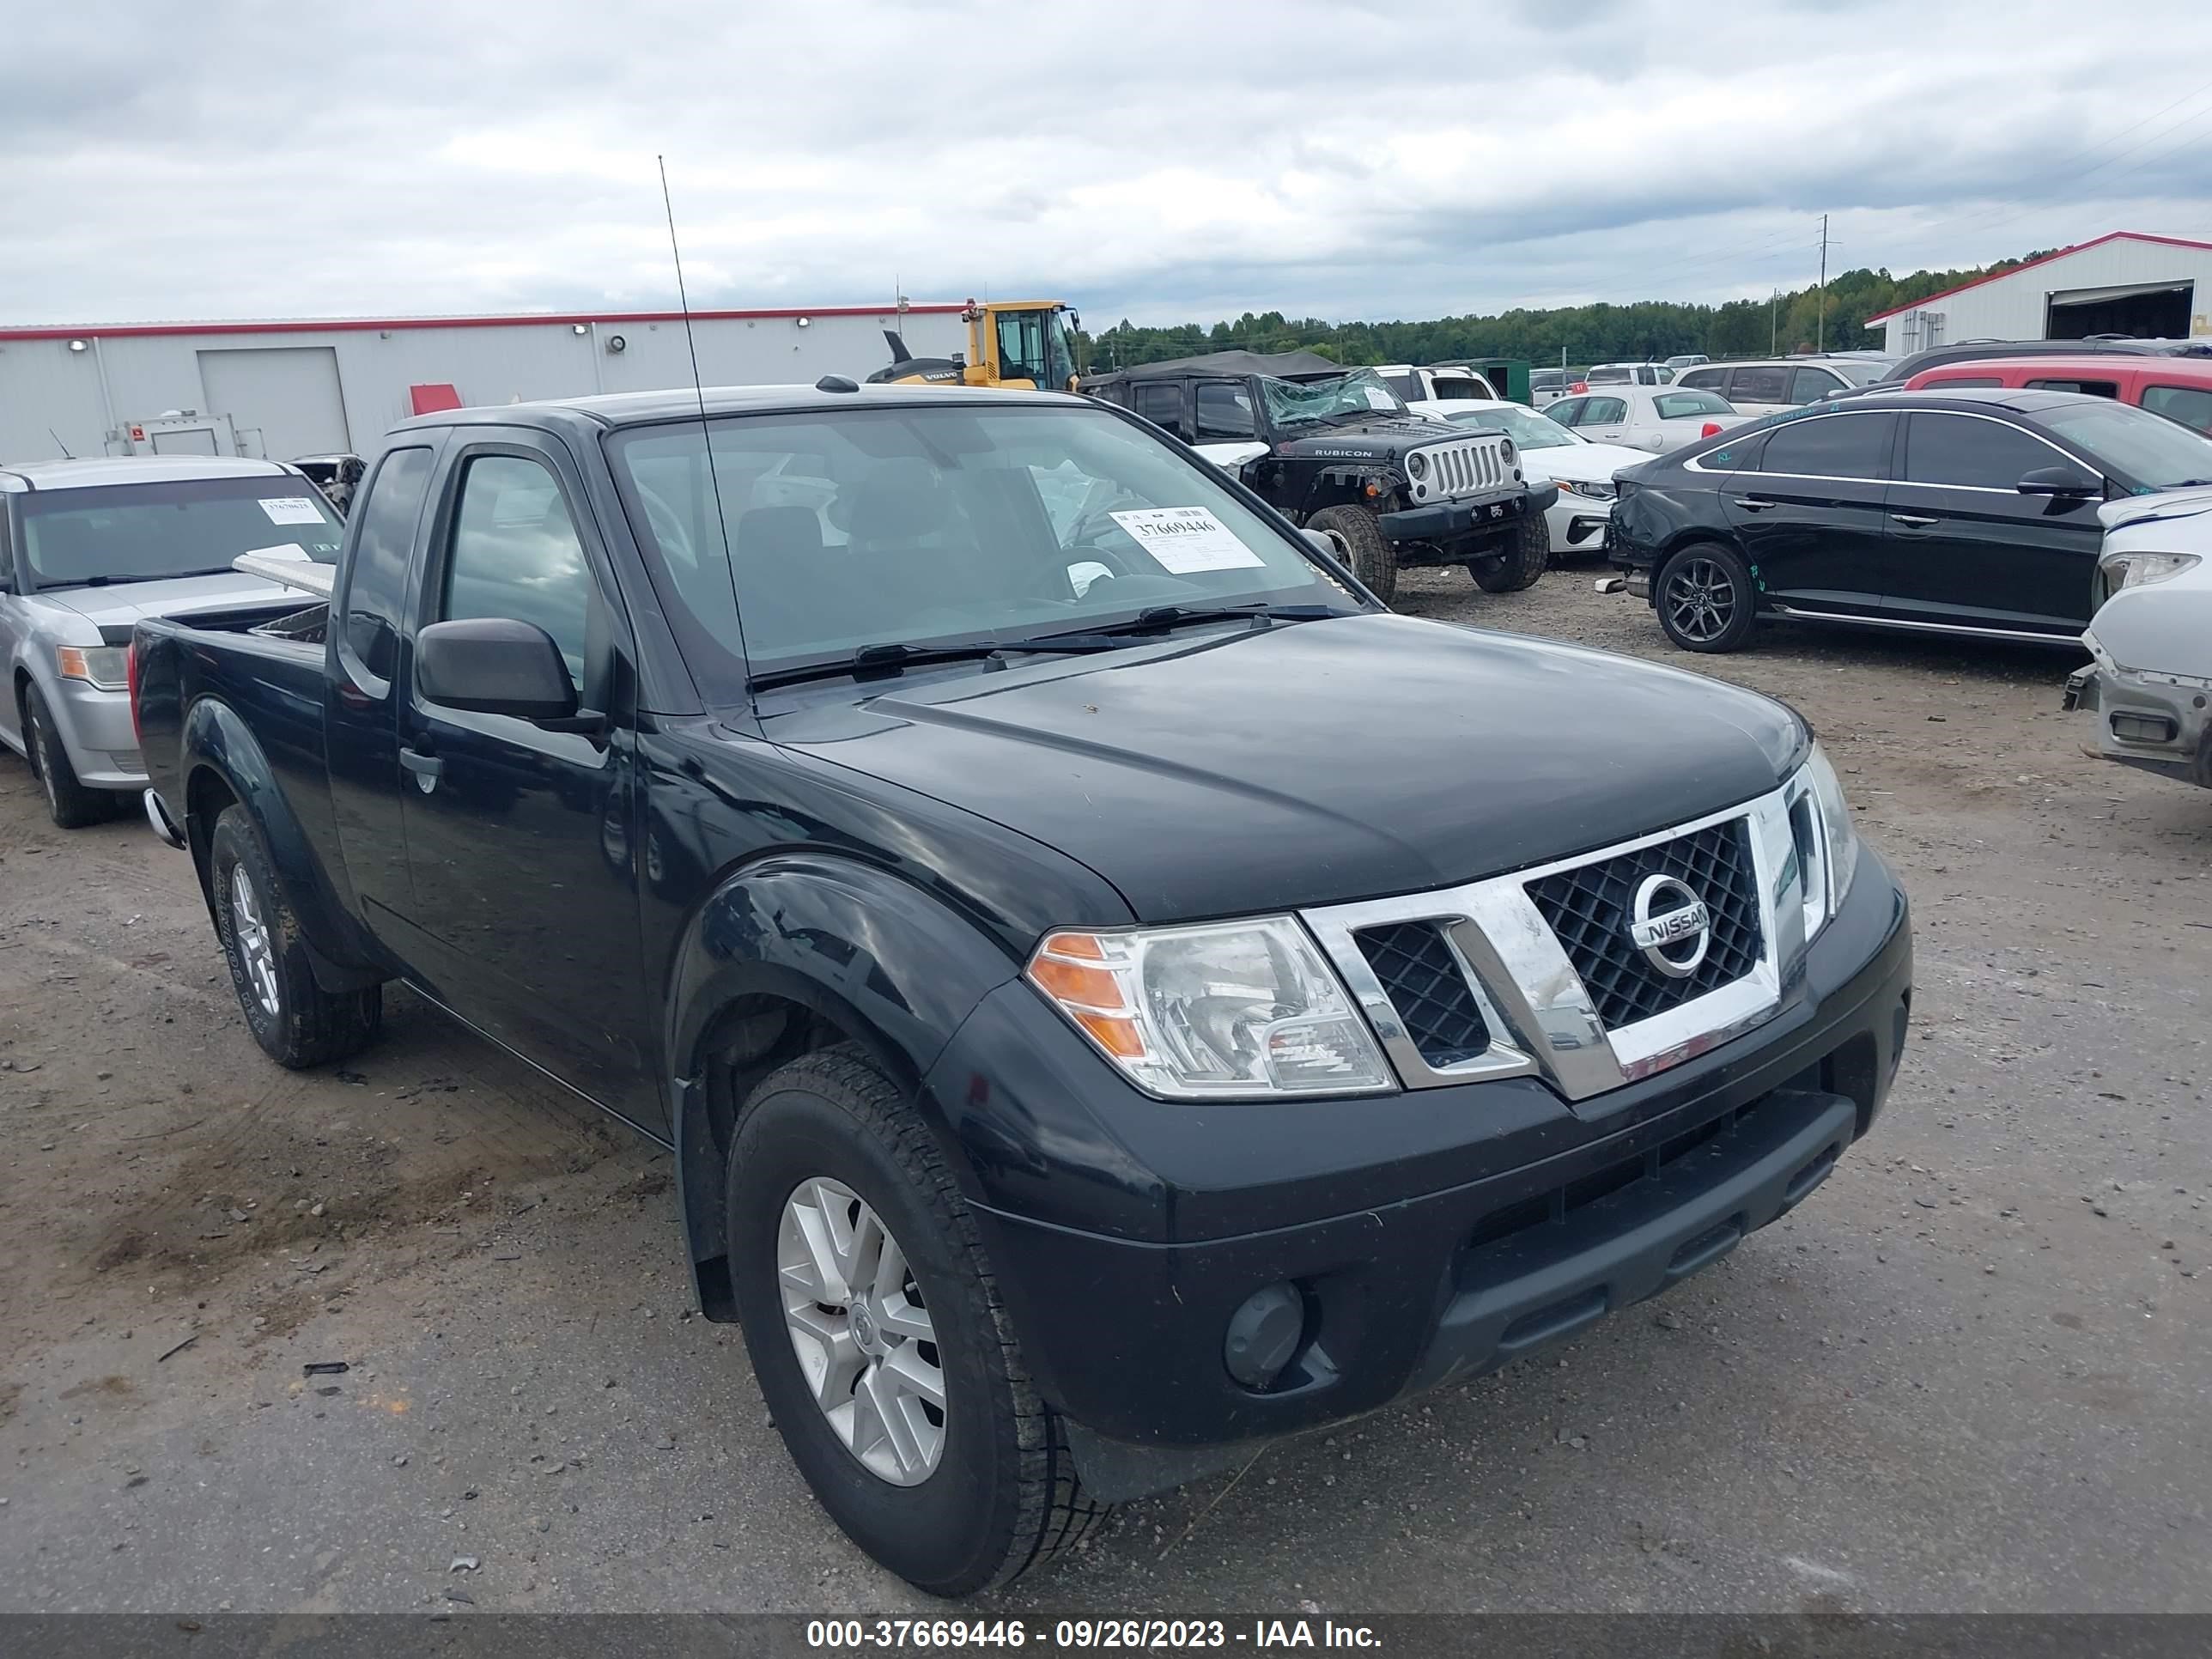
706, 435
59, 445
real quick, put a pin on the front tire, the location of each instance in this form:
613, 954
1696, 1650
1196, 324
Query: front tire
296, 1021
876, 1331
1521, 564
1360, 543
68, 803
1705, 598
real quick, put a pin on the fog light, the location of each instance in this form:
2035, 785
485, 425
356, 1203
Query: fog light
1263, 1335
2143, 728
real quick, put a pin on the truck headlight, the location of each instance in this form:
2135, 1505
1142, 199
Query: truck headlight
1828, 844
1213, 1012
107, 666
1417, 465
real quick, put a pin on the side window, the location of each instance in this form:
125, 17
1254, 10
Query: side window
1567, 410
376, 581
1810, 386
1963, 380
1710, 379
1968, 450
1766, 384
1160, 402
1831, 447
1603, 411
1225, 412
2191, 406
1407, 386
2094, 388
1738, 455
514, 553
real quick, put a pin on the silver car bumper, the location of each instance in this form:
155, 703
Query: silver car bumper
94, 727
2158, 723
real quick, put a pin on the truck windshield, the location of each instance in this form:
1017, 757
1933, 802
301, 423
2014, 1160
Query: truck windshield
139, 532
1360, 392
935, 524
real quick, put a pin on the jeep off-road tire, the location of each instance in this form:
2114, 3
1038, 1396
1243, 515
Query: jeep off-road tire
296, 1021
1522, 563
68, 803
1360, 543
953, 1502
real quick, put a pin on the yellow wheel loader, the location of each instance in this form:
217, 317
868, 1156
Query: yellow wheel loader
1020, 344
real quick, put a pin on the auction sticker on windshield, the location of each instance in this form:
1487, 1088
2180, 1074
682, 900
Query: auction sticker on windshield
1183, 540
291, 509
1378, 398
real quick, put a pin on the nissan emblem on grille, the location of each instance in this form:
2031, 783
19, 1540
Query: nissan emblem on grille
1682, 921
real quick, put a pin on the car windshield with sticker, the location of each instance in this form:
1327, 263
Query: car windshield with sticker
165, 529
817, 534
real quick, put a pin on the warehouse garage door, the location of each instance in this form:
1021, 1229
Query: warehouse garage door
2151, 311
289, 393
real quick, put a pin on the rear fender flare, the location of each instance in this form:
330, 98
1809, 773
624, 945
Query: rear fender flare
871, 955
215, 740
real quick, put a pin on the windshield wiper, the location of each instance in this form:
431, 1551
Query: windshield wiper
1161, 617
895, 658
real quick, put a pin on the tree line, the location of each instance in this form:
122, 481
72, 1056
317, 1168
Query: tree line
1585, 334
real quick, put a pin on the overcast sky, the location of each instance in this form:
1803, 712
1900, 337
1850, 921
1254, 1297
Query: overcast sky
1162, 162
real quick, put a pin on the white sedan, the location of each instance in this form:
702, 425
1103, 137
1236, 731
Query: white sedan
1652, 418
1583, 470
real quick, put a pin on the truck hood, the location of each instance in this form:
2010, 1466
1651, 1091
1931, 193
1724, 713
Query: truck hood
1385, 438
125, 603
1318, 762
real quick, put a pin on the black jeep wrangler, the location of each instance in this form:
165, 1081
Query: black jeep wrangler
1337, 451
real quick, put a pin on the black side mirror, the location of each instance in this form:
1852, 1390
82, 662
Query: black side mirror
495, 665
2066, 481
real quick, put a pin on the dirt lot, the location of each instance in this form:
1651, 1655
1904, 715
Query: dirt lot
1973, 1373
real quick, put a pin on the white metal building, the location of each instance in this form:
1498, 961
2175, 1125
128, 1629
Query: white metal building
2158, 287
302, 388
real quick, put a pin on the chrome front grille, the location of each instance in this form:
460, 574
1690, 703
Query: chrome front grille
1538, 971
1415, 965
1590, 908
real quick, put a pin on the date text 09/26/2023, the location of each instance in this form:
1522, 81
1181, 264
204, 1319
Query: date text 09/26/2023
1259, 1634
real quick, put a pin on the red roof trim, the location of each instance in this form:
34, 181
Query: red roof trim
2079, 248
530, 319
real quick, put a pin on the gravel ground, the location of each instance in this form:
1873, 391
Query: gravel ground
1972, 1374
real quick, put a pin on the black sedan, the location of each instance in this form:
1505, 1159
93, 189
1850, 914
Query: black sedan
1959, 512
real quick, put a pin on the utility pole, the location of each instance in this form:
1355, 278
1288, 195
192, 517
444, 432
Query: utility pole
1820, 314
1774, 323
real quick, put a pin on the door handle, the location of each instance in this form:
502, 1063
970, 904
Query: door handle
1753, 504
1917, 522
427, 768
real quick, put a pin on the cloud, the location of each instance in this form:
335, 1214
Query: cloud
1164, 162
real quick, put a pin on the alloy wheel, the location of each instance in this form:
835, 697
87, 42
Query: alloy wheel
1701, 600
862, 1331
254, 943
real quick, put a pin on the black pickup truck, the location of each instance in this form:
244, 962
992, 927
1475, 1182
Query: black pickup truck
1114, 992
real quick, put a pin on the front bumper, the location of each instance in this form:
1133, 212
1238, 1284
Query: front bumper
94, 727
1531, 1218
1495, 515
2152, 723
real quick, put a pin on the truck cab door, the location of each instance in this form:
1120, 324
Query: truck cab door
361, 702
519, 835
